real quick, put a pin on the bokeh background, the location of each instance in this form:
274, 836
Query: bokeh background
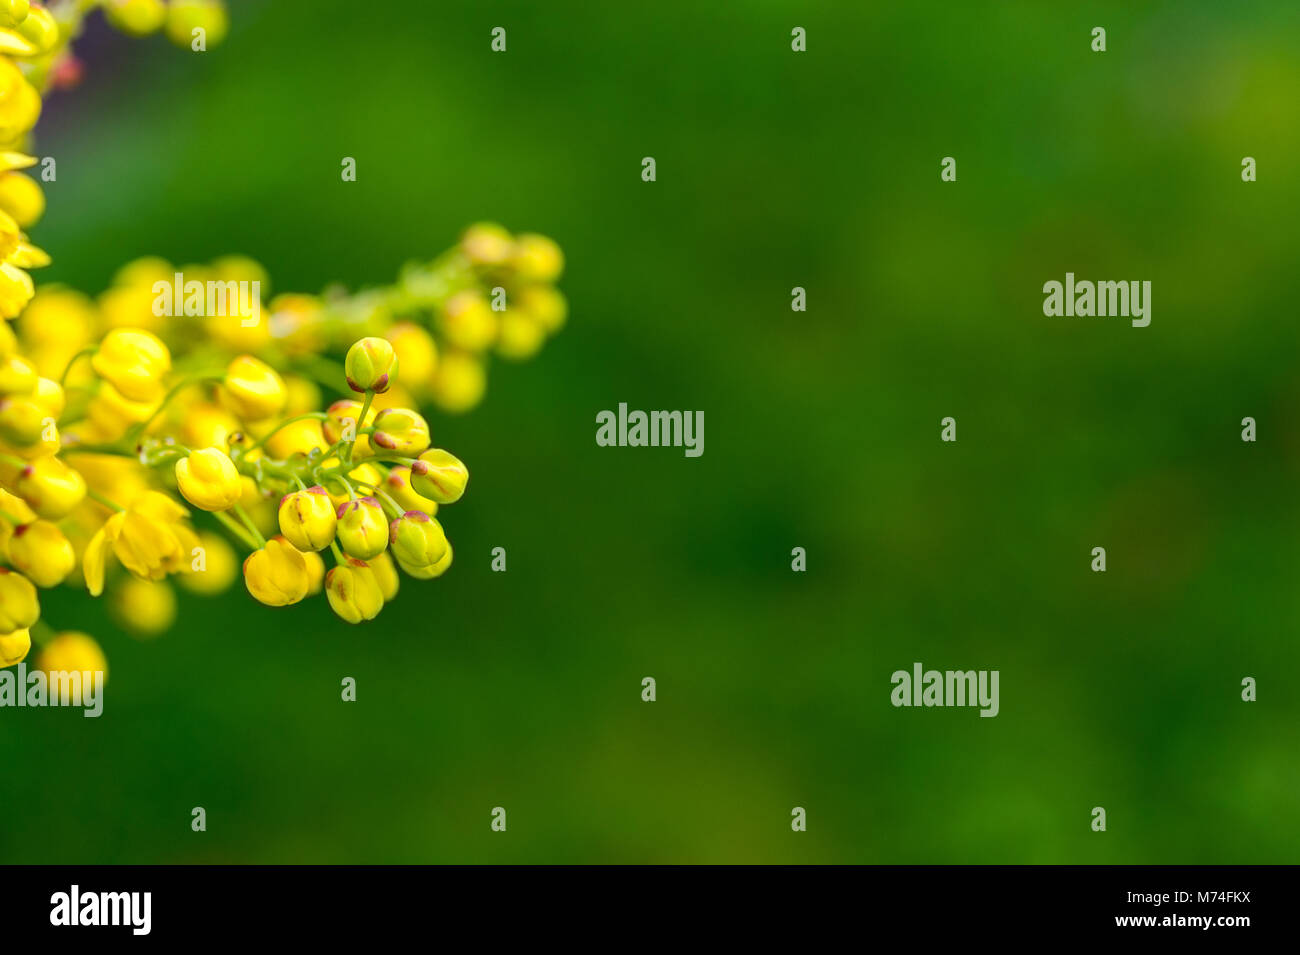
775, 169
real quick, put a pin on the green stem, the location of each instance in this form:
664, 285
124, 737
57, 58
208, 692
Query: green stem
89, 350
248, 522
96, 496
231, 525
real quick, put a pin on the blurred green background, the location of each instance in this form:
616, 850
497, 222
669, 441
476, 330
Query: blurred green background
775, 170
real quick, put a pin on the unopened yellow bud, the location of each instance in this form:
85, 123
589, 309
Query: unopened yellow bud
371, 365
353, 591
16, 288
50, 487
429, 571
385, 572
417, 539
252, 389
362, 529
468, 321
535, 258
213, 568
40, 28
400, 430
208, 480
19, 605
21, 198
460, 382
299, 437
521, 336
72, 652
145, 607
22, 421
14, 647
315, 572
49, 395
307, 518
277, 574
486, 244
186, 16
134, 362
545, 305
17, 376
341, 422
417, 354
42, 552
440, 476
136, 17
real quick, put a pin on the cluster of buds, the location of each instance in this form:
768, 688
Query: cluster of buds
144, 430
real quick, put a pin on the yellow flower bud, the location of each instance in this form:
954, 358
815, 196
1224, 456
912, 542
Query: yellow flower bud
50, 487
440, 476
219, 565
400, 430
16, 288
460, 382
208, 480
277, 574
342, 417
252, 389
545, 305
429, 571
20, 104
17, 376
145, 607
468, 321
19, 605
385, 572
22, 421
40, 28
417, 539
21, 198
72, 652
521, 336
14, 647
486, 243
315, 572
362, 529
136, 17
417, 354
49, 395
353, 591
307, 518
300, 437
398, 486
371, 365
13, 12
134, 362
186, 16
535, 258
42, 552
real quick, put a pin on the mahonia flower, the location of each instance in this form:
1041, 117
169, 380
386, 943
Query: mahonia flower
294, 425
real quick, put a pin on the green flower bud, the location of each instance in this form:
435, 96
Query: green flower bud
400, 430
371, 365
429, 572
439, 475
362, 529
417, 539
353, 591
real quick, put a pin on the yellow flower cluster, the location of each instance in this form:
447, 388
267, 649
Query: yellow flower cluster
177, 393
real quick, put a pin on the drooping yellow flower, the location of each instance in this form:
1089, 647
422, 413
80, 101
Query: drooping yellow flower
134, 362
208, 480
148, 537
277, 574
